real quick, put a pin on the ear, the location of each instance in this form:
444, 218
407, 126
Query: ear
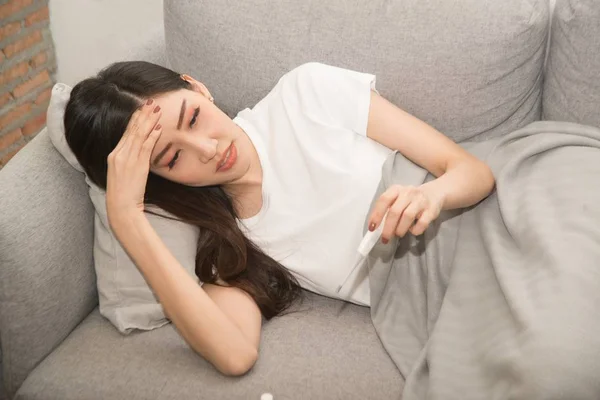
197, 86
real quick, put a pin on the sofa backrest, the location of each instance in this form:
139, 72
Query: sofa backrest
47, 280
572, 82
472, 71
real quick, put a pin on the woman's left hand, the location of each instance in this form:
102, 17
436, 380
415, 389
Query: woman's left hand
410, 209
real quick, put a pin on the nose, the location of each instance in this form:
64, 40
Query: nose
207, 148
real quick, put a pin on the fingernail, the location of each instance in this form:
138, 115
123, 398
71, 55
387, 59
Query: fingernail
157, 127
372, 226
150, 101
384, 241
156, 109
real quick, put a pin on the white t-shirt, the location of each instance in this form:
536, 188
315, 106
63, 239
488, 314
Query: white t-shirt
320, 173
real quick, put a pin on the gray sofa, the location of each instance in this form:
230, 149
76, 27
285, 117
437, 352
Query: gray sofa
473, 72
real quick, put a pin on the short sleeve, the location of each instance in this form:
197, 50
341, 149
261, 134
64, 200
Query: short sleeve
331, 95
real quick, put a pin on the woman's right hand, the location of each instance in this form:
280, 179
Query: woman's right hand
129, 164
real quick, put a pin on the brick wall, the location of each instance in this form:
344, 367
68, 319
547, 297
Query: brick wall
27, 72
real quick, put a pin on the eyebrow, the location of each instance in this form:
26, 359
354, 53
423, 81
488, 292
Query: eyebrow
161, 154
168, 146
181, 114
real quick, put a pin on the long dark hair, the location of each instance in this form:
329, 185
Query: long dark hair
96, 117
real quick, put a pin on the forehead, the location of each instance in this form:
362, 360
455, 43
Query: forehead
170, 105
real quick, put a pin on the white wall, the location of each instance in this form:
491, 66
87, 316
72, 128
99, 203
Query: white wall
90, 34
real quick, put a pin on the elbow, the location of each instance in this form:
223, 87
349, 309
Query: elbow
486, 179
239, 364
489, 177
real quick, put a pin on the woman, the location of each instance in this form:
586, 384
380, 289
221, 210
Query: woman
280, 193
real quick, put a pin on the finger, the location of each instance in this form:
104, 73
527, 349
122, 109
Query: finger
119, 147
131, 126
125, 148
139, 116
381, 206
150, 143
394, 214
151, 121
122, 142
133, 121
125, 134
422, 223
408, 217
145, 112
148, 121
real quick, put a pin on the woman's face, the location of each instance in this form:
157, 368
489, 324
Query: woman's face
199, 145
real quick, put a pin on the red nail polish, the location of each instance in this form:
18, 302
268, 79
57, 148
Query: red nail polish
384, 241
149, 101
157, 127
156, 109
372, 226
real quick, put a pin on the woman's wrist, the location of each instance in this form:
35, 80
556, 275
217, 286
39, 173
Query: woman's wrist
462, 186
125, 219
435, 191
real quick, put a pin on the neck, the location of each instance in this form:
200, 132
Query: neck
250, 182
247, 190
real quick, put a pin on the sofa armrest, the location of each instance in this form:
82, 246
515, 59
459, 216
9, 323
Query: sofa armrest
47, 279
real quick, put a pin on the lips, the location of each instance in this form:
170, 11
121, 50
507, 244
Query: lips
228, 159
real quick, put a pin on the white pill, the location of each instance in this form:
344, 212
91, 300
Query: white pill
266, 396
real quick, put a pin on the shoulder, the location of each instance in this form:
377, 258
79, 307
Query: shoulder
310, 72
304, 86
318, 91
293, 83
315, 85
310, 69
325, 79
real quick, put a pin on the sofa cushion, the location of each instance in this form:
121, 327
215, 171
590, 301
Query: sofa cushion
572, 83
47, 281
472, 71
326, 349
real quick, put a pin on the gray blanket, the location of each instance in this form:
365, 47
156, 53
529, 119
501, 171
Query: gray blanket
500, 300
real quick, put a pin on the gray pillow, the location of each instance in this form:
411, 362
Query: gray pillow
473, 71
125, 298
572, 83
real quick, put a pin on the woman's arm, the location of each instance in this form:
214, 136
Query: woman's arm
463, 180
220, 323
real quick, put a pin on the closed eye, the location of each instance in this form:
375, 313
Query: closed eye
193, 120
172, 163
194, 117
